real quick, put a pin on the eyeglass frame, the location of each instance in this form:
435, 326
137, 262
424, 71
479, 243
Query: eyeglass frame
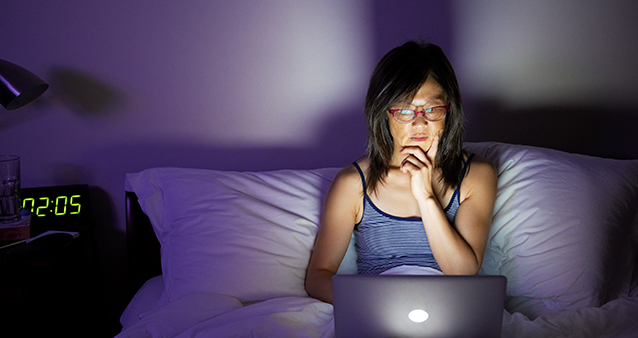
416, 113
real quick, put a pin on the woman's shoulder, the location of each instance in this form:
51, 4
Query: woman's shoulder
481, 164
351, 172
349, 176
480, 172
345, 194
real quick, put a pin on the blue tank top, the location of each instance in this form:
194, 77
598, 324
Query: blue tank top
384, 241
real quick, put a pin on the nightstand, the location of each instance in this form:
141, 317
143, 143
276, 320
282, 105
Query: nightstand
52, 287
49, 289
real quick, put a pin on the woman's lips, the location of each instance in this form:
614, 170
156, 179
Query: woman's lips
419, 138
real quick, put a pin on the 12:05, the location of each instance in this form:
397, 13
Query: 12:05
59, 206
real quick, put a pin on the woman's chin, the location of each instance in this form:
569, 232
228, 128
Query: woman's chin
424, 145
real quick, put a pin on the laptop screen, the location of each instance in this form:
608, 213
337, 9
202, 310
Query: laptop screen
418, 306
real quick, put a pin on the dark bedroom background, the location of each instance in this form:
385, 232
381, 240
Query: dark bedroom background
259, 85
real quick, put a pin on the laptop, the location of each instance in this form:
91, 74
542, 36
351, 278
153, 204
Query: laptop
418, 306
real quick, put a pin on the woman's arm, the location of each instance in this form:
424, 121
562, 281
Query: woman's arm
459, 249
341, 211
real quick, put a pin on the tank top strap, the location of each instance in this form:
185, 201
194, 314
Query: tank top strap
363, 178
464, 170
455, 201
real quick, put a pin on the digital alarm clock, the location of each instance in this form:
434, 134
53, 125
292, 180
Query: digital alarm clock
66, 202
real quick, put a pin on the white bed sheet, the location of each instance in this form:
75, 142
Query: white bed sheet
617, 318
214, 315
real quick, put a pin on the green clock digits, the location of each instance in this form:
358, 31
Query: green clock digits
55, 204
58, 206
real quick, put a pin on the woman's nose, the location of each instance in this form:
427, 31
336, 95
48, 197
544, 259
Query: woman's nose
420, 119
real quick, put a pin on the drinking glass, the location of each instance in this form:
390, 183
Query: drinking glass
10, 201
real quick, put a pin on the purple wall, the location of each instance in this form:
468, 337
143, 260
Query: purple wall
553, 74
255, 85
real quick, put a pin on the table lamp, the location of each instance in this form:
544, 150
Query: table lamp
18, 86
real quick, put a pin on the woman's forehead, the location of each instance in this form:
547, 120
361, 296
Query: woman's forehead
430, 93
423, 100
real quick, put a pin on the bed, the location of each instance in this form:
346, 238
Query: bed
223, 254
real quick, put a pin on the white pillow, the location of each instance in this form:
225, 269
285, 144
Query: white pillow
244, 234
561, 227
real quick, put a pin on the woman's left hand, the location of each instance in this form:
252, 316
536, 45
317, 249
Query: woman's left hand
421, 165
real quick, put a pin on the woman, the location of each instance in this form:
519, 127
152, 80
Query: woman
416, 201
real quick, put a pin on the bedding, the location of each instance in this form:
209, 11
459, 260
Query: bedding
235, 245
562, 228
307, 317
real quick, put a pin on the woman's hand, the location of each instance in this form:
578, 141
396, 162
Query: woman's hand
421, 165
458, 248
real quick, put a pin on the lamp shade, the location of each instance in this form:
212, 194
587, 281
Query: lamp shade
18, 86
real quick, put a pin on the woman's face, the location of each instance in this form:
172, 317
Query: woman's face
419, 132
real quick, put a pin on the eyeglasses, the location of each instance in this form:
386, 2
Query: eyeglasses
432, 114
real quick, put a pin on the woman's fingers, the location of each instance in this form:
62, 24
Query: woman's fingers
434, 148
411, 163
415, 158
420, 171
415, 151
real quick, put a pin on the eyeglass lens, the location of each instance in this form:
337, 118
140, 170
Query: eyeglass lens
408, 115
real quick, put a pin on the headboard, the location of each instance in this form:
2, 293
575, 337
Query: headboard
142, 245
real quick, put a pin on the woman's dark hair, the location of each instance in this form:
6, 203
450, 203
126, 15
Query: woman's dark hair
397, 78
